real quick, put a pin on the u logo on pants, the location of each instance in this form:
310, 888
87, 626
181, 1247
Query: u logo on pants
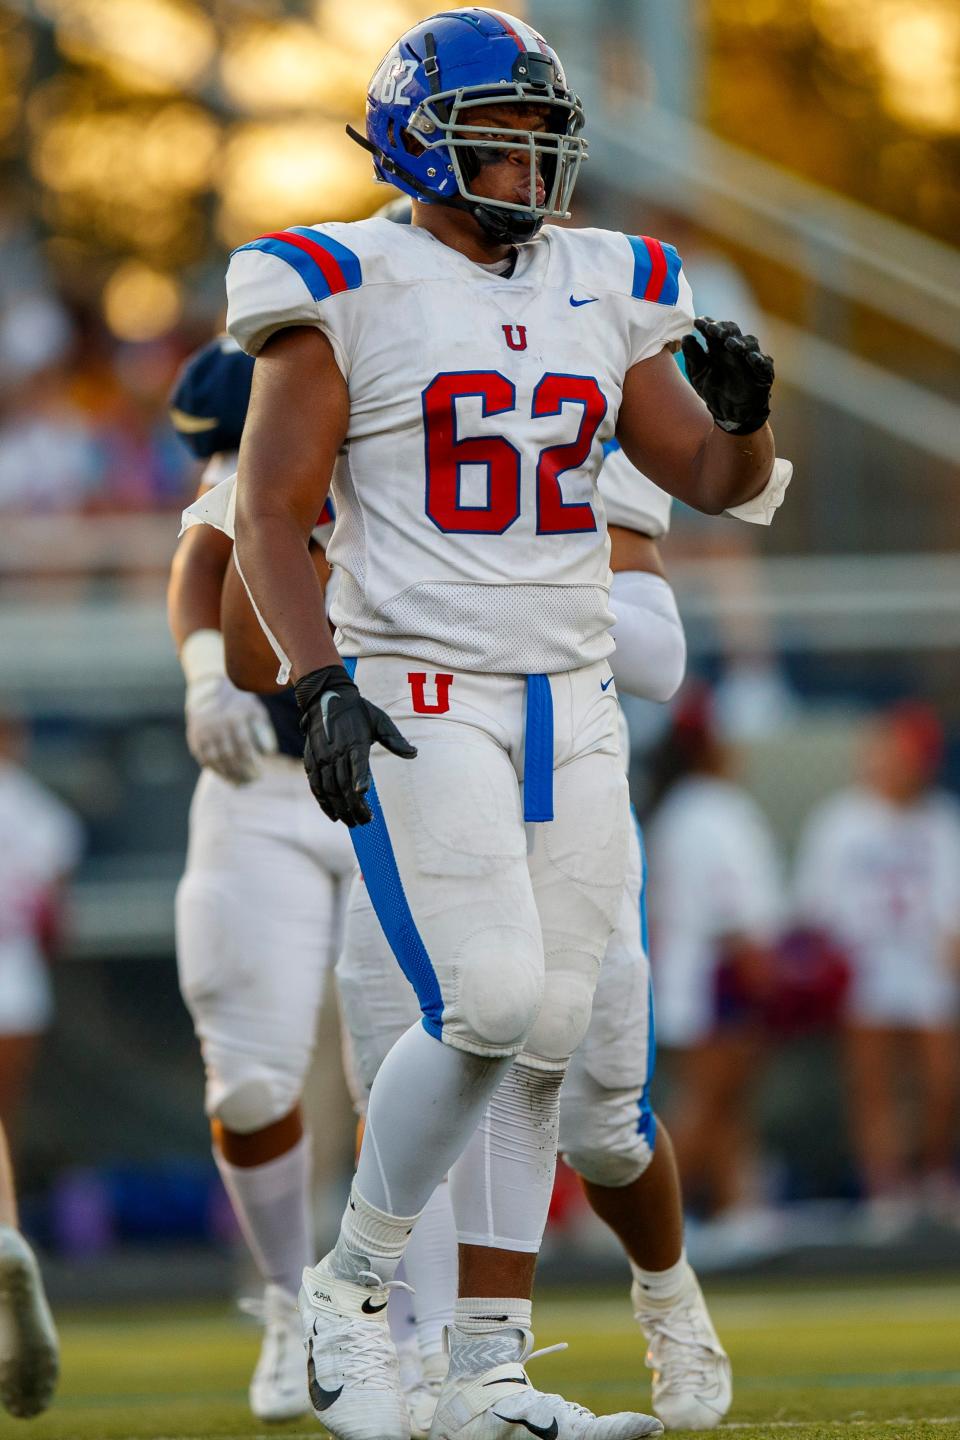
418, 683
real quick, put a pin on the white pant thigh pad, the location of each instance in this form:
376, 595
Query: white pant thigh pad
452, 828
378, 1004
256, 916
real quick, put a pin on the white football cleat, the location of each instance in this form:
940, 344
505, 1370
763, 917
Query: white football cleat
424, 1394
353, 1378
501, 1403
278, 1389
29, 1351
692, 1379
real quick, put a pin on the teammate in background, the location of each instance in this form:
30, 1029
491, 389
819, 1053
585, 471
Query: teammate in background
40, 843
29, 1350
259, 907
497, 857
608, 1131
879, 871
715, 909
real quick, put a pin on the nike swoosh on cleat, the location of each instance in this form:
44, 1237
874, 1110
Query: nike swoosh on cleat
369, 1309
508, 1380
549, 1432
320, 1399
605, 684
591, 300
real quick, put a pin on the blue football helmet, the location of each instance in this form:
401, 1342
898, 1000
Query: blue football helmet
418, 117
208, 403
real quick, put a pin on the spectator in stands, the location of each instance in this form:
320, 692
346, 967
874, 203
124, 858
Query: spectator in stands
715, 905
40, 843
879, 871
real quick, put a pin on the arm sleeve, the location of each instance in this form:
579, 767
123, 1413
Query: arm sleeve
651, 648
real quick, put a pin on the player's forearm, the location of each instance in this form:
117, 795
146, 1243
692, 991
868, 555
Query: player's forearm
275, 562
196, 580
728, 470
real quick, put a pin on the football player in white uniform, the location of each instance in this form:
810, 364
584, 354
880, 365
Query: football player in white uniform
259, 907
459, 378
29, 1349
608, 1132
606, 1123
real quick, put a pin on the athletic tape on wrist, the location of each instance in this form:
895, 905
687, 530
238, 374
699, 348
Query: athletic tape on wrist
202, 656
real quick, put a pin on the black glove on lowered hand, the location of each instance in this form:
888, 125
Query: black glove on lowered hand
732, 375
339, 727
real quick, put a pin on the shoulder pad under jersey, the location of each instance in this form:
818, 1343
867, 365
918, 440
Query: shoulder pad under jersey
629, 498
655, 300
284, 278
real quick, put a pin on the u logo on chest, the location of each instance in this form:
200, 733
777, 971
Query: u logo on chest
515, 336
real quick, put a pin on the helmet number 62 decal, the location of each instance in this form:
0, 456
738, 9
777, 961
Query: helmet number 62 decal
395, 81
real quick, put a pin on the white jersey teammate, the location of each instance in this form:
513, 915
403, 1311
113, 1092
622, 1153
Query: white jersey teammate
466, 408
259, 908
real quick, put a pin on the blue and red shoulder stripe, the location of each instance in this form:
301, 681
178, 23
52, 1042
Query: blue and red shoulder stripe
656, 270
326, 266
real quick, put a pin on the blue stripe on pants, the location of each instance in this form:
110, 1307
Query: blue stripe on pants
378, 864
646, 1120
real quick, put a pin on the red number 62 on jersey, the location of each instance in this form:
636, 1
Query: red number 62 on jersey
445, 453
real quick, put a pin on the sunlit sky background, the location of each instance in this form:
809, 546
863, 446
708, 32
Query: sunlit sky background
147, 137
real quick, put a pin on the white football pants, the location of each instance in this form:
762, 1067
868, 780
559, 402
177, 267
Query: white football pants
258, 920
499, 922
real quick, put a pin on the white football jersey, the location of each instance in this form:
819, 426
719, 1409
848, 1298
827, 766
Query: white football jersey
629, 498
469, 530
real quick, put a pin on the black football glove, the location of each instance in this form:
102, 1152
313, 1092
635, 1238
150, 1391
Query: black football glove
339, 727
732, 375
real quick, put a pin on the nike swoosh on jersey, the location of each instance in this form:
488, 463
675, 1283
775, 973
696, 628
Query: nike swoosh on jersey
320, 1399
605, 684
544, 1432
591, 300
369, 1309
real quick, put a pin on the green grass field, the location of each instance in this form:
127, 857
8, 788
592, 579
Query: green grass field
879, 1360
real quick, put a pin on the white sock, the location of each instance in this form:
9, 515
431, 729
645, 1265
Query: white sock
430, 1265
370, 1239
424, 1105
662, 1286
403, 1322
487, 1332
272, 1206
502, 1183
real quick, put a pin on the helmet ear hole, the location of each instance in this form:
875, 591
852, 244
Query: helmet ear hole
409, 142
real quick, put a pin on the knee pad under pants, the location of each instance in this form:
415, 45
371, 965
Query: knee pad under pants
577, 867
256, 919
607, 1129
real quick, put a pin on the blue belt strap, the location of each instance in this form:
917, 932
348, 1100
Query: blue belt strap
538, 750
